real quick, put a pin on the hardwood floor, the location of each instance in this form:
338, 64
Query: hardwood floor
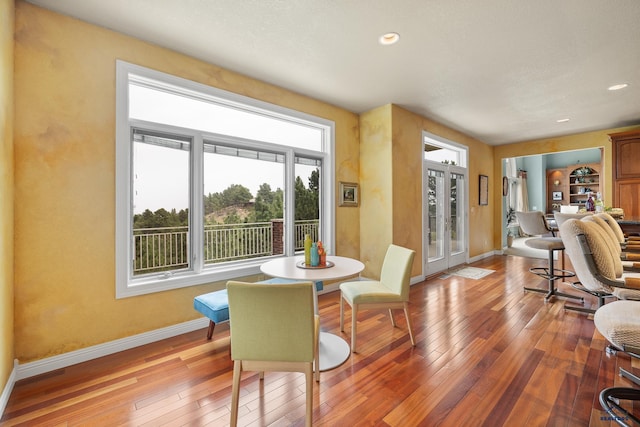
487, 354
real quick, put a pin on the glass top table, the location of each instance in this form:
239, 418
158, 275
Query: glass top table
334, 350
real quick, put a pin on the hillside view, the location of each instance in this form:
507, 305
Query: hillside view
236, 205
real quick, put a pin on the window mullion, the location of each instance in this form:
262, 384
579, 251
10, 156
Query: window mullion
289, 204
196, 204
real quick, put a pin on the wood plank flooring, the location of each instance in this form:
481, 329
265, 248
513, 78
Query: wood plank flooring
487, 354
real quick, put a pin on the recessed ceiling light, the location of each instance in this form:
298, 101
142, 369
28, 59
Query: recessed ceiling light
618, 87
562, 120
389, 38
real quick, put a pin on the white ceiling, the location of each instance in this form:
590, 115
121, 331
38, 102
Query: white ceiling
499, 70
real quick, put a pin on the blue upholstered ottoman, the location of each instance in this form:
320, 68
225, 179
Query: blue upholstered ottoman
215, 305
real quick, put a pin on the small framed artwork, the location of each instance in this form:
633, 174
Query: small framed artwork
557, 195
349, 194
505, 186
484, 190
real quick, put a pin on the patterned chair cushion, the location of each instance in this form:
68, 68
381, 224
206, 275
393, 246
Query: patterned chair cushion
619, 323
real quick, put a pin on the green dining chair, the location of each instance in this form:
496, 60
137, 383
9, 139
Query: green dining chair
274, 328
390, 292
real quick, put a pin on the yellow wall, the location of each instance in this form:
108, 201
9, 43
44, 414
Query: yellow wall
376, 203
407, 133
6, 190
64, 181
391, 178
579, 141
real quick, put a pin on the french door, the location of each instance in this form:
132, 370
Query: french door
444, 211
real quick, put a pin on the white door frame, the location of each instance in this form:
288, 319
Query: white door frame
448, 260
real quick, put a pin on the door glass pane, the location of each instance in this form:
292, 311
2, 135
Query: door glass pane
243, 203
456, 211
160, 197
436, 214
307, 200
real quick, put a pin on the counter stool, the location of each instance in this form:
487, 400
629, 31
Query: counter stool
550, 273
535, 224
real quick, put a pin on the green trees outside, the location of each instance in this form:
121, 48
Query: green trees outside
232, 229
161, 218
237, 205
307, 199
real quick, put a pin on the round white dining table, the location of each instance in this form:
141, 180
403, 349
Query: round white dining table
333, 350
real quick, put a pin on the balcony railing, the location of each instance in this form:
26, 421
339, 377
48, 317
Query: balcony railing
166, 248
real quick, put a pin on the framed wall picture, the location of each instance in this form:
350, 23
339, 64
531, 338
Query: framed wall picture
557, 195
349, 194
484, 190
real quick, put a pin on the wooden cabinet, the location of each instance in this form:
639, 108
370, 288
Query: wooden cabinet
557, 189
626, 172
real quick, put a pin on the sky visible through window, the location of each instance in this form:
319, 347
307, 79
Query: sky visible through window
168, 169
442, 155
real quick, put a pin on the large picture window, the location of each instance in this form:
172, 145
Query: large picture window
211, 184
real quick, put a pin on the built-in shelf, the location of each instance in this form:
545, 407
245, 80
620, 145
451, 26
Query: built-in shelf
571, 186
581, 184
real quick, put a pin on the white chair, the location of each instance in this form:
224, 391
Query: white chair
569, 209
390, 292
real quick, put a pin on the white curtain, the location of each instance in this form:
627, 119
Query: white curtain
511, 168
511, 171
522, 196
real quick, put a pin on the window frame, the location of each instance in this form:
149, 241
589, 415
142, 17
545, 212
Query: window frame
126, 284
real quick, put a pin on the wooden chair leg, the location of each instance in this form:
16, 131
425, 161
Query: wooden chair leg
212, 325
317, 348
235, 392
309, 383
409, 326
341, 313
354, 315
393, 321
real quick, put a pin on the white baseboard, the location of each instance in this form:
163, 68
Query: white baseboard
49, 364
484, 255
8, 388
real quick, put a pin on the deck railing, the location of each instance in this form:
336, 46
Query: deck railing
166, 248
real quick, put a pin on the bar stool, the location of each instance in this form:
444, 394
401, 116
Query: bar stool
534, 223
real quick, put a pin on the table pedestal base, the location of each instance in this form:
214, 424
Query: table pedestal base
334, 351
